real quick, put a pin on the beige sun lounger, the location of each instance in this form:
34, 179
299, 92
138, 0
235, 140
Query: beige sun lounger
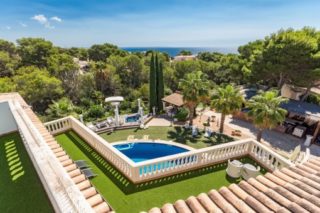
130, 138
292, 156
145, 137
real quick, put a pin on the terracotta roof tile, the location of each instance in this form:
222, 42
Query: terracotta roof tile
195, 205
168, 208
221, 201
174, 99
293, 189
208, 204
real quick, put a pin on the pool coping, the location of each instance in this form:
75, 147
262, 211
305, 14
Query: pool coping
172, 143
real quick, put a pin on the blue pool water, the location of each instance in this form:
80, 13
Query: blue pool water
138, 152
133, 118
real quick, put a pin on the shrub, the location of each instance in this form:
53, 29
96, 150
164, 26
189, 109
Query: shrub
95, 111
314, 99
182, 114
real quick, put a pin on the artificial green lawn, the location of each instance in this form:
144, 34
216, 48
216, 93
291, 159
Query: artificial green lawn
20, 187
176, 134
127, 197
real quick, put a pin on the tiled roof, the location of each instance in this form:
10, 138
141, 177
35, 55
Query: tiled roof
294, 189
174, 99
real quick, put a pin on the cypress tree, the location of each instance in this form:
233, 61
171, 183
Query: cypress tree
160, 85
157, 82
152, 85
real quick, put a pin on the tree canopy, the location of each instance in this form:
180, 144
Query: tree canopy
44, 74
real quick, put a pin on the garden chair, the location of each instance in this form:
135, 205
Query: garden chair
208, 133
250, 171
234, 168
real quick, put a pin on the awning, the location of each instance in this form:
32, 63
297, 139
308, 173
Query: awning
175, 99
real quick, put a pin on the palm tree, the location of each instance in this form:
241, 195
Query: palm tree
265, 111
226, 100
194, 88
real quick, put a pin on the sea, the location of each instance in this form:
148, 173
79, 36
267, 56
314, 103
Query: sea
174, 51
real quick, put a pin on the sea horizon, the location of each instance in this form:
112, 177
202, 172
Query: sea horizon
174, 51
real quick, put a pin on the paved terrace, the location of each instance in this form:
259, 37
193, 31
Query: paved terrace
271, 138
66, 186
294, 189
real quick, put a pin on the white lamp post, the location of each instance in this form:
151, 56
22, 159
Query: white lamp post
115, 101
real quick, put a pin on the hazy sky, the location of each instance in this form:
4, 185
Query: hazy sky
132, 23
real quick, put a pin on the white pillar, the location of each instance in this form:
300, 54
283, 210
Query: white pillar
116, 112
139, 103
81, 118
154, 110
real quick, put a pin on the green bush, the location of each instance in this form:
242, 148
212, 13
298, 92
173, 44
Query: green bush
95, 111
182, 114
314, 99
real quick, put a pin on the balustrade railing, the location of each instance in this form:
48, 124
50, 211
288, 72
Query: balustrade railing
169, 165
58, 126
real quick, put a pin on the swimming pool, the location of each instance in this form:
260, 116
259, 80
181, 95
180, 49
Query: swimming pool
143, 151
132, 118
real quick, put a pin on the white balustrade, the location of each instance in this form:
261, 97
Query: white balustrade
170, 165
61, 190
58, 126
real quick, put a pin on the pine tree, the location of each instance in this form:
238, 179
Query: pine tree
152, 85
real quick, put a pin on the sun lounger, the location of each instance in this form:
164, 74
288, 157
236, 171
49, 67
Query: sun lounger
130, 138
292, 156
88, 173
81, 164
234, 168
145, 137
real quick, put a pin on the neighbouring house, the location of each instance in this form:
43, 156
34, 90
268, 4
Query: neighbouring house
83, 65
296, 93
303, 119
185, 58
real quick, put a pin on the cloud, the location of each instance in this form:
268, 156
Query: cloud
56, 18
40, 18
23, 24
8, 27
43, 20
